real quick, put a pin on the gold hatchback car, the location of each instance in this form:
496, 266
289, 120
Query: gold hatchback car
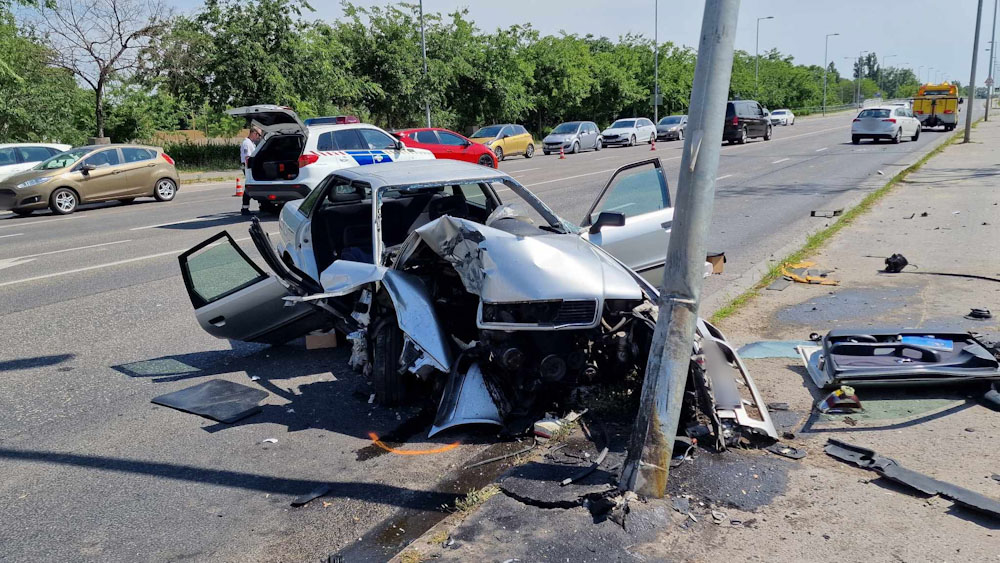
90, 174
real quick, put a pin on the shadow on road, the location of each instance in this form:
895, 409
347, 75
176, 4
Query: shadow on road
36, 362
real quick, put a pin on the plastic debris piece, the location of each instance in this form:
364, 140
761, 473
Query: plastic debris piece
895, 264
371, 398
682, 505
979, 313
842, 400
786, 451
269, 441
312, 495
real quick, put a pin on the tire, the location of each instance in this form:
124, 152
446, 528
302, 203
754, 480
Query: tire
652, 139
916, 135
599, 145
680, 135
63, 201
898, 137
387, 349
575, 149
485, 160
767, 133
546, 153
269, 207
23, 212
529, 152
126, 200
631, 141
499, 153
743, 136
855, 139
165, 189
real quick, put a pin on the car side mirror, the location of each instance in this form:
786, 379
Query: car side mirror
607, 219
87, 169
399, 145
504, 136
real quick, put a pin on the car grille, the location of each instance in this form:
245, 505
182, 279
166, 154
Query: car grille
611, 136
542, 313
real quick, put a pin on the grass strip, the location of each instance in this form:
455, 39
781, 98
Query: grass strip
820, 238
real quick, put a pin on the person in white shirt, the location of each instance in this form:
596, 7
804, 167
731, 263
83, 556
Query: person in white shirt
247, 148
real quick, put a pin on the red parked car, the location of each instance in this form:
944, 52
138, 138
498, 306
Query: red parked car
447, 144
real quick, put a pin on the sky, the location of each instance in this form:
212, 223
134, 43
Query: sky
934, 34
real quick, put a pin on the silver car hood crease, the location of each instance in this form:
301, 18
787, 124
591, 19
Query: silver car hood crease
501, 267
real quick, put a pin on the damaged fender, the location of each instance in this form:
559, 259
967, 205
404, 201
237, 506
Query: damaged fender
416, 317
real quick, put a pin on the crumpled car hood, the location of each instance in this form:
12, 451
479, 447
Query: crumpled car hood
501, 267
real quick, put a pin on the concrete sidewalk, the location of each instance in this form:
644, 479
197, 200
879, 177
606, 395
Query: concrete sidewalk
210, 176
753, 506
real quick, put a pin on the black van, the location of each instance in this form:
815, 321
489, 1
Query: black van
745, 119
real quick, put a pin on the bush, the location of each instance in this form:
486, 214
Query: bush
203, 156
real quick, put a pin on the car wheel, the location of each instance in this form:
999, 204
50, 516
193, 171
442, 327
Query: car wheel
680, 135
916, 134
270, 207
631, 141
165, 190
485, 160
529, 152
793, 121
126, 200
855, 139
387, 349
652, 139
898, 137
599, 145
767, 133
499, 154
575, 149
743, 136
23, 212
546, 153
63, 201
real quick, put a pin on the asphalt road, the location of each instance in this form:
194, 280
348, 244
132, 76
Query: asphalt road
95, 322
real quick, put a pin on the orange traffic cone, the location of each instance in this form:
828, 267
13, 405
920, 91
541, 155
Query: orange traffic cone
652, 144
561, 153
239, 188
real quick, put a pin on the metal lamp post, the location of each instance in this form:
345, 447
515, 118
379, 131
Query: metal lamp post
756, 52
826, 46
880, 65
656, 61
861, 64
423, 47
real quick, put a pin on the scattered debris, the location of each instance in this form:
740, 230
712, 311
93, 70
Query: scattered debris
891, 469
319, 340
841, 401
506, 456
269, 441
780, 284
593, 466
995, 477
217, 399
319, 491
880, 173
254, 378
771, 349
682, 505
900, 357
717, 260
925, 214
779, 406
827, 214
803, 272
992, 397
912, 215
895, 264
979, 314
718, 517
786, 451
371, 398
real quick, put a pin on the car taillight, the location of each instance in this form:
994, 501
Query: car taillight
736, 120
949, 111
167, 158
890, 120
307, 159
918, 111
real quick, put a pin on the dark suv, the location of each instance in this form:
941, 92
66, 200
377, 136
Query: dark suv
745, 119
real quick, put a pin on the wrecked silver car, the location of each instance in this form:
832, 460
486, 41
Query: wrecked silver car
454, 279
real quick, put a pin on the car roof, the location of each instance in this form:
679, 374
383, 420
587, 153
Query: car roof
323, 127
421, 172
881, 107
52, 145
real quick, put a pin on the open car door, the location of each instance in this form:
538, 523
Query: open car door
234, 298
631, 218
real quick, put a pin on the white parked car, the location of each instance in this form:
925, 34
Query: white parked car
885, 122
18, 157
293, 158
627, 132
782, 117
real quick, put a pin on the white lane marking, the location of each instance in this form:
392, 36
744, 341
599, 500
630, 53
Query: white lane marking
106, 265
607, 157
8, 262
723, 177
525, 170
571, 177
780, 161
25, 223
822, 149
14, 235
167, 224
72, 249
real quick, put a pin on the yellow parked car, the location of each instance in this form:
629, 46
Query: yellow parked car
89, 174
505, 140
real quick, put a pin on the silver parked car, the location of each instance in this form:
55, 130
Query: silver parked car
494, 304
671, 127
628, 132
573, 137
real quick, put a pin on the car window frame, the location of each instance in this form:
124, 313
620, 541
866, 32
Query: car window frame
14, 156
442, 134
427, 131
83, 161
389, 138
150, 152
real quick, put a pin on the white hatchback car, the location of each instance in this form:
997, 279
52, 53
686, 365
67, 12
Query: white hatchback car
627, 132
18, 157
782, 117
891, 123
294, 158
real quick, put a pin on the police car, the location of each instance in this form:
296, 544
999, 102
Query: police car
293, 157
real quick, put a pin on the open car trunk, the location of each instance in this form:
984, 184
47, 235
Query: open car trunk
277, 157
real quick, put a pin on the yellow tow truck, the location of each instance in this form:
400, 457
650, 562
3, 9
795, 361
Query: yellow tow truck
937, 105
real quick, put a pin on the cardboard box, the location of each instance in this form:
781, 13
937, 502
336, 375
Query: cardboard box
717, 260
319, 340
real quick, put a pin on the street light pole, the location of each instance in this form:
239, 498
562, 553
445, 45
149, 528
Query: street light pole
756, 52
650, 446
972, 75
882, 64
989, 85
826, 47
656, 61
423, 47
861, 64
